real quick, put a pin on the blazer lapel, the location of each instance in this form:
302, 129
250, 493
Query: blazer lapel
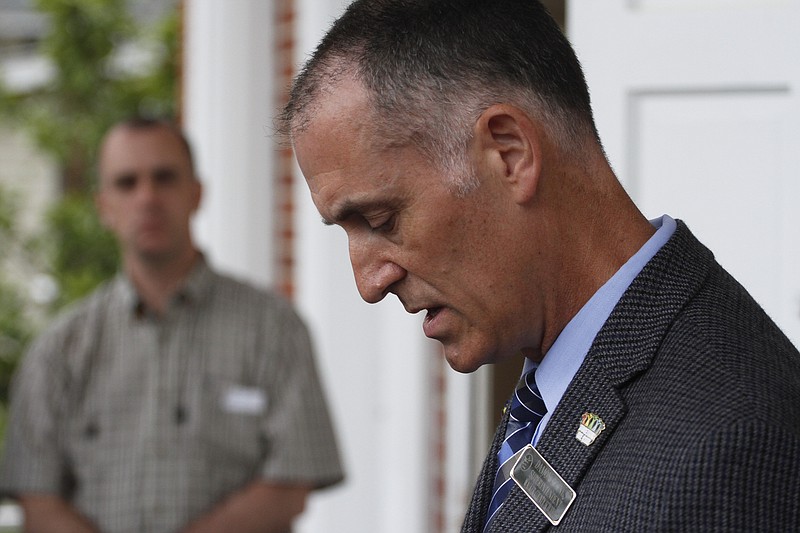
558, 445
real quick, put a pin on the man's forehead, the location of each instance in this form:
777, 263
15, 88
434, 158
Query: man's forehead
322, 96
335, 137
341, 104
142, 165
128, 145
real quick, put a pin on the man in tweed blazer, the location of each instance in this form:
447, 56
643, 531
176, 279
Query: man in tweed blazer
700, 394
453, 140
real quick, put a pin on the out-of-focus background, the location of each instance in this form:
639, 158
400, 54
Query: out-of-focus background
696, 102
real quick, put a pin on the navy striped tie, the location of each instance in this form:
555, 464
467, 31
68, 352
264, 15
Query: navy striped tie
527, 409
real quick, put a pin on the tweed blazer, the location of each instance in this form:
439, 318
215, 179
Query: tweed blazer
700, 394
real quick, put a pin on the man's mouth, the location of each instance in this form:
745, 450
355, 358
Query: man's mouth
432, 312
430, 325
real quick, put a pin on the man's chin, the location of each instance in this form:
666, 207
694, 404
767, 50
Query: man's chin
155, 255
461, 361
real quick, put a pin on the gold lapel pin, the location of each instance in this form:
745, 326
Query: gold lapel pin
591, 426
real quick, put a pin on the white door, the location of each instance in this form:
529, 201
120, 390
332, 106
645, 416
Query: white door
698, 106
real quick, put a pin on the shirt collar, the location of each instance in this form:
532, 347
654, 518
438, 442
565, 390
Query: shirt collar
562, 361
194, 287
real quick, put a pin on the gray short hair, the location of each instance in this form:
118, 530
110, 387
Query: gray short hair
431, 67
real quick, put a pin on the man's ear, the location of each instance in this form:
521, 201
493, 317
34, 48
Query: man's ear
507, 145
102, 210
197, 194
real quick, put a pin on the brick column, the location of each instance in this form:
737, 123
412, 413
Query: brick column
284, 162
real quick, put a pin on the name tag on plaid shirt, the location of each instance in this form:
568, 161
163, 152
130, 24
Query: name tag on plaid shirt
243, 400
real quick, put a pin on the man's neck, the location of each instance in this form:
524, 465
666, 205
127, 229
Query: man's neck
156, 282
596, 230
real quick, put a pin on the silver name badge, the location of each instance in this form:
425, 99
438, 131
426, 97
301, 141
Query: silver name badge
546, 489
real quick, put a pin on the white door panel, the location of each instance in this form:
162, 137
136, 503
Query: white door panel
697, 105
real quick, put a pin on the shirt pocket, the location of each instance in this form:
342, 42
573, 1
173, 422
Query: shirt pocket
229, 423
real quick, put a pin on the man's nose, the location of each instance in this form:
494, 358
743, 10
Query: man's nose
146, 190
374, 275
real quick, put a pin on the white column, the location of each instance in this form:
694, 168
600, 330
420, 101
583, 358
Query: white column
229, 109
377, 365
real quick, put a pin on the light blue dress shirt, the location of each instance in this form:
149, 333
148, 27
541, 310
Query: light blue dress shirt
562, 361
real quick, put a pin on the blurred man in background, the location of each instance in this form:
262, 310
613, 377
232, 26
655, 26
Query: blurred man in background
173, 398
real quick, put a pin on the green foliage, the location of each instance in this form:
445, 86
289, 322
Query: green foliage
91, 89
14, 334
15, 331
67, 118
84, 253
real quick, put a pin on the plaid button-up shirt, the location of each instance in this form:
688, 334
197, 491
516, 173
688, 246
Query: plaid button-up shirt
144, 422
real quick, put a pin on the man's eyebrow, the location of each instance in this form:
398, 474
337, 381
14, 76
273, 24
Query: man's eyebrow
342, 212
351, 207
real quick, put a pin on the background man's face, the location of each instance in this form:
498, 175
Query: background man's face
148, 192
